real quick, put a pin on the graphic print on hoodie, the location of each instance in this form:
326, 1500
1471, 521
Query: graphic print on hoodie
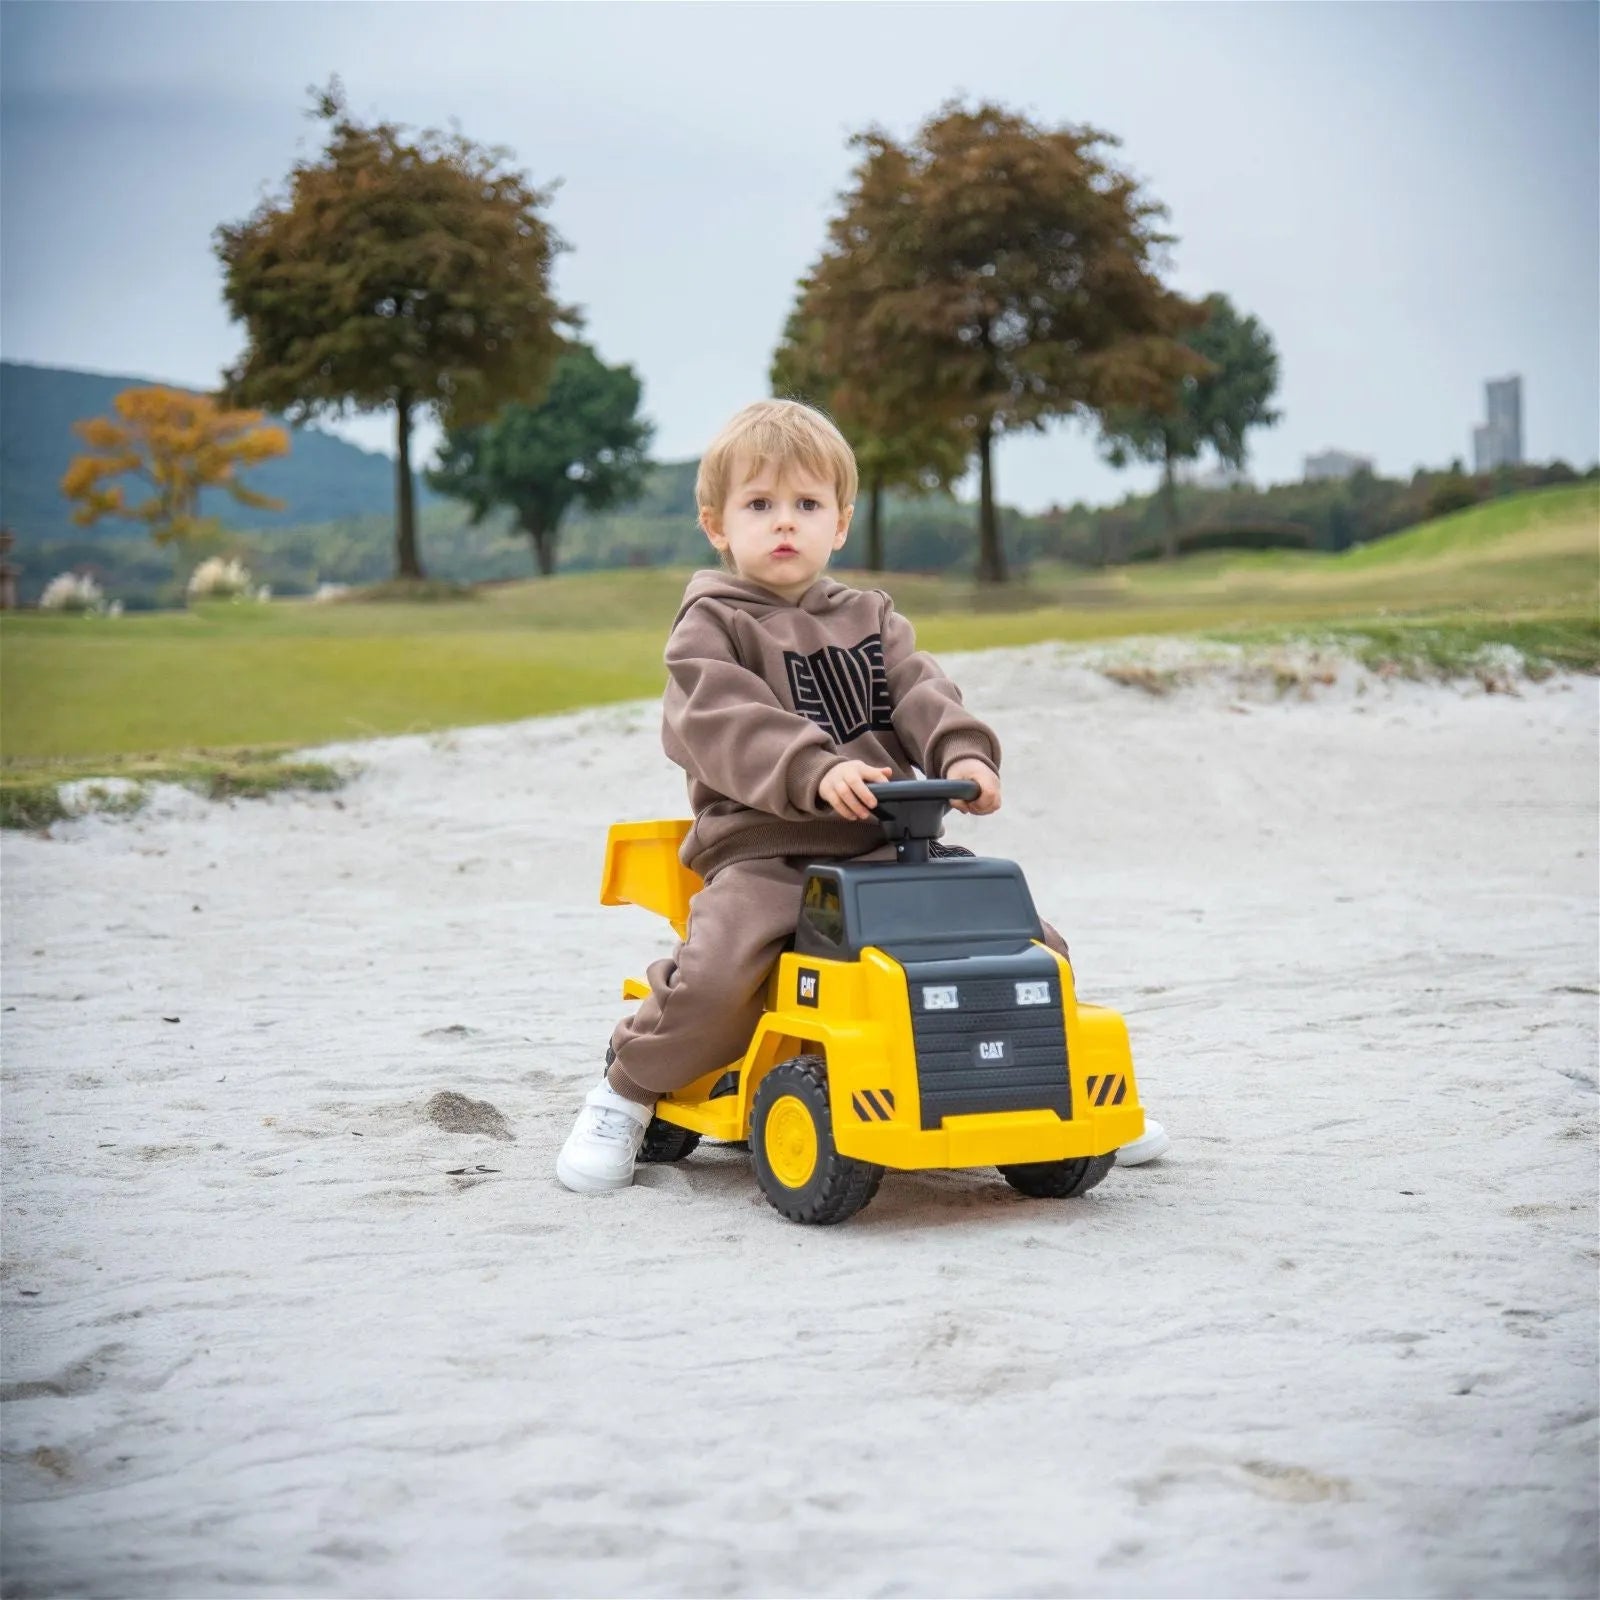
845, 691
765, 695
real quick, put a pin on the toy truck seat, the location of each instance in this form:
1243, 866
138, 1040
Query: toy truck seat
642, 869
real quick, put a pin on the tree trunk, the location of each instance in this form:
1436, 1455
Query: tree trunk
875, 524
407, 563
543, 540
991, 558
1169, 499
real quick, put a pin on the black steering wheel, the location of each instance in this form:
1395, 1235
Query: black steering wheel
912, 809
943, 790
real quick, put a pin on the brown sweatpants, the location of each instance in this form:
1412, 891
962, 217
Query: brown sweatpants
706, 997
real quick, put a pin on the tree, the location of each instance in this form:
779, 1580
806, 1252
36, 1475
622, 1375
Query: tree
179, 444
1213, 408
991, 275
905, 453
583, 444
394, 271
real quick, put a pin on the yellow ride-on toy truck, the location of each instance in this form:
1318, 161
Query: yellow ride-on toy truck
919, 1021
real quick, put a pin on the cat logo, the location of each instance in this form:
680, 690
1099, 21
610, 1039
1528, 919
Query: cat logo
992, 1050
806, 988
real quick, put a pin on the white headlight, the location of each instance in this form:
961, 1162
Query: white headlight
1033, 994
942, 998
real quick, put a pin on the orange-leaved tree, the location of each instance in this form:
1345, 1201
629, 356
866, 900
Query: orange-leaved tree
175, 444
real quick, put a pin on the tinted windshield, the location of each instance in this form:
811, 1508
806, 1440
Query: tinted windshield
823, 909
924, 908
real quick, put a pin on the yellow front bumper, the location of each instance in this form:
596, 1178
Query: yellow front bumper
990, 1139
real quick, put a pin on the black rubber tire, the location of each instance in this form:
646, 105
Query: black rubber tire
666, 1141
1059, 1180
840, 1185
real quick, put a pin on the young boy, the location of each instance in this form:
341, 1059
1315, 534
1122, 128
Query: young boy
788, 693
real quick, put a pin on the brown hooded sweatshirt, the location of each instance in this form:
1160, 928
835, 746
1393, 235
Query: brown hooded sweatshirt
764, 695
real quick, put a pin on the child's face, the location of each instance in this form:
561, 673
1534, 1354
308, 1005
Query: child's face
779, 527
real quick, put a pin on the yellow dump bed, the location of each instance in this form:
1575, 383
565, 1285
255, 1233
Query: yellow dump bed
642, 869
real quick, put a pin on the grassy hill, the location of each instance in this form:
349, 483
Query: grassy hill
295, 672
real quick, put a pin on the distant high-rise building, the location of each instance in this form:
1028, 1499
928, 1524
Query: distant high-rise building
1498, 442
1336, 464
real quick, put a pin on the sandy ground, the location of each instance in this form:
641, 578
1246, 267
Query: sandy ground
264, 1335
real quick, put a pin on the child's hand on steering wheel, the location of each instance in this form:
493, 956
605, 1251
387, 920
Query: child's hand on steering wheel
987, 780
844, 787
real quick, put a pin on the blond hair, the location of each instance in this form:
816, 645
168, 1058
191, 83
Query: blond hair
776, 434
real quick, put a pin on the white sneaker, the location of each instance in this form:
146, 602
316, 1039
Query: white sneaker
599, 1153
1152, 1143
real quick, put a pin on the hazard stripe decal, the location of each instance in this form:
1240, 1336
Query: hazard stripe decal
873, 1105
1103, 1094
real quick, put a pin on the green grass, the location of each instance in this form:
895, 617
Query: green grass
293, 673
157, 691
1449, 647
30, 791
1508, 528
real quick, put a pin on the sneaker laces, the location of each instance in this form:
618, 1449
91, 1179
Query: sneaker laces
612, 1127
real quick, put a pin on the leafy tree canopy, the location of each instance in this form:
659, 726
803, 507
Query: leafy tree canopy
395, 270
1208, 410
584, 444
1212, 409
178, 444
916, 454
990, 275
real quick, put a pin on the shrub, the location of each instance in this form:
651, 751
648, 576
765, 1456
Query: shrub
1249, 536
1240, 536
421, 590
1456, 492
72, 591
223, 578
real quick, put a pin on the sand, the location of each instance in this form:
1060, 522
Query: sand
292, 1303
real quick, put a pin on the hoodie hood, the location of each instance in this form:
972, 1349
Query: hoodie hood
729, 589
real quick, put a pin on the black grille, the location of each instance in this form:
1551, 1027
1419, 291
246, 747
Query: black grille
954, 1076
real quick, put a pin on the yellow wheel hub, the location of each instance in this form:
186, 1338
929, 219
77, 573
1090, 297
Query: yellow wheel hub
790, 1142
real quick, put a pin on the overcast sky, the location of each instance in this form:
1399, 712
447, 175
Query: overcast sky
1406, 195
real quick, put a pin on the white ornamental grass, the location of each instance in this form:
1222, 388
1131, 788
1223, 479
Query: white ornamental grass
72, 591
220, 578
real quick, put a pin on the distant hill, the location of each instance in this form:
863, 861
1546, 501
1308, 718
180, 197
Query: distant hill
322, 479
337, 523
